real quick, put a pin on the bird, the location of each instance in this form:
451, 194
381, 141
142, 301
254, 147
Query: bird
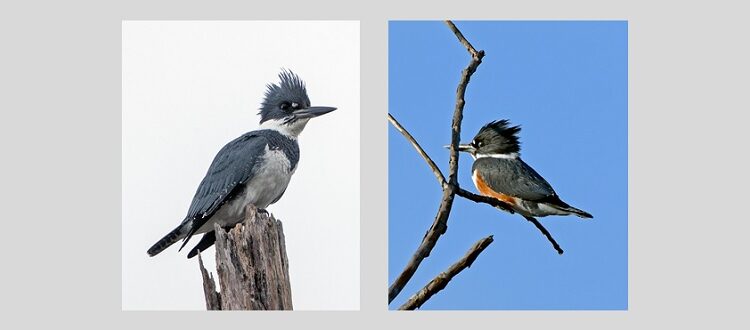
498, 171
254, 168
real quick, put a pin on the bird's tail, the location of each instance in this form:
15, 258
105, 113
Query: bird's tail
166, 241
557, 203
578, 212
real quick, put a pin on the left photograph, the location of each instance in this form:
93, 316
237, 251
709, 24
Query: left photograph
240, 165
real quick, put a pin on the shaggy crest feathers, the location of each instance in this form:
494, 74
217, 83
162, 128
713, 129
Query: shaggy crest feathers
289, 82
499, 137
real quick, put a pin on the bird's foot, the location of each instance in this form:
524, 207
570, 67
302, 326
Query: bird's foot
264, 211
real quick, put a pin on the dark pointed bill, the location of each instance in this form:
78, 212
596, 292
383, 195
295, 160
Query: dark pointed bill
312, 112
462, 147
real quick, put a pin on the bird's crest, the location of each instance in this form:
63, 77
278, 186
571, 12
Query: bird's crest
500, 136
289, 83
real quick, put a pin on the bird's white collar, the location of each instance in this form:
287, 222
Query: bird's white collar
512, 155
291, 130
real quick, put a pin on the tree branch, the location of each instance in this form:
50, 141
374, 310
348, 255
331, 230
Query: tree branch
458, 113
405, 133
466, 43
485, 199
438, 228
546, 233
441, 281
505, 207
440, 224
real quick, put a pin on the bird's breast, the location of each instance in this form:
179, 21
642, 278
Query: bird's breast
272, 175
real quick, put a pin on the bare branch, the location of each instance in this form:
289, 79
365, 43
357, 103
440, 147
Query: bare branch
441, 281
546, 233
440, 224
505, 207
405, 133
466, 43
484, 199
458, 113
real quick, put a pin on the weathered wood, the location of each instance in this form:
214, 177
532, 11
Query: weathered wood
252, 266
213, 299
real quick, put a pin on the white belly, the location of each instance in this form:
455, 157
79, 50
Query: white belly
266, 187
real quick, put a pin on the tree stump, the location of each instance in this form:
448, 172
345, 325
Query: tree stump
252, 266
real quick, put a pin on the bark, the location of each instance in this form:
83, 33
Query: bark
252, 266
213, 299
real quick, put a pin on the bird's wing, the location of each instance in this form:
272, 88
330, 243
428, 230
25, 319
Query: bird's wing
513, 177
232, 167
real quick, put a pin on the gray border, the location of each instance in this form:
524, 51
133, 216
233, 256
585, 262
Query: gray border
61, 132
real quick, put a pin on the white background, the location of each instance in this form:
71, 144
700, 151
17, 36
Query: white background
188, 88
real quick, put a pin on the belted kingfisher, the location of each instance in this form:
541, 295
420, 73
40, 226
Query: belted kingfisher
499, 172
254, 168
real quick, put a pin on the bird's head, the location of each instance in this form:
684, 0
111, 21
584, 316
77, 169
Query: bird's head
286, 106
496, 139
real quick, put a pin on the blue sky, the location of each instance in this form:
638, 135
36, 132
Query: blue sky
565, 83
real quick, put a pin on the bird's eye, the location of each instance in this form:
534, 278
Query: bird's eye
295, 105
479, 144
284, 106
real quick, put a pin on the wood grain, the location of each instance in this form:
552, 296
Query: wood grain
252, 266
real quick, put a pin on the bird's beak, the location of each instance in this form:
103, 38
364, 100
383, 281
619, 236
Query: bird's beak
464, 147
312, 112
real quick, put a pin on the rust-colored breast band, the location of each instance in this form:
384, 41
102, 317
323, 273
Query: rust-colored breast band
485, 189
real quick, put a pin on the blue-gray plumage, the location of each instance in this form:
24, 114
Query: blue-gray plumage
254, 168
498, 171
512, 177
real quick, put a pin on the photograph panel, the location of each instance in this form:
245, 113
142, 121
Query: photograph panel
220, 115
539, 205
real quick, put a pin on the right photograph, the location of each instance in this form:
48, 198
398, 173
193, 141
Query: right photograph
508, 165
